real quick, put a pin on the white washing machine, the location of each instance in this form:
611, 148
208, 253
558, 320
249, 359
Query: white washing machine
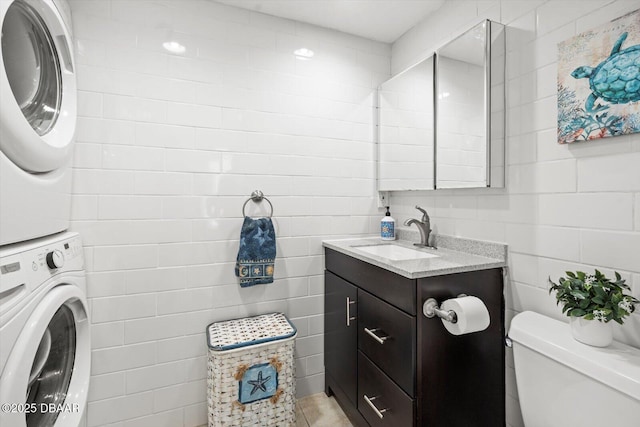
45, 354
38, 101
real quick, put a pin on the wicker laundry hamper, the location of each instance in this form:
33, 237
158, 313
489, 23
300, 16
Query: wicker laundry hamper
251, 373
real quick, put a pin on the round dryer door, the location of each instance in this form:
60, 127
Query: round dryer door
38, 85
47, 374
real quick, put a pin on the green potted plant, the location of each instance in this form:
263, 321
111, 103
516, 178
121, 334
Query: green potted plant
592, 301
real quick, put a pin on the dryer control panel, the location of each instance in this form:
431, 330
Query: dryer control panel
26, 266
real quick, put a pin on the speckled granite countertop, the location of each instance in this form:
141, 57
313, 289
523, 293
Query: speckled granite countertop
455, 255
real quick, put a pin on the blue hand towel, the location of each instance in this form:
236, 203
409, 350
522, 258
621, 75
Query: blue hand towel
257, 252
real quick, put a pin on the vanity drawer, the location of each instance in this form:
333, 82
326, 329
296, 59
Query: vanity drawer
375, 390
388, 337
391, 287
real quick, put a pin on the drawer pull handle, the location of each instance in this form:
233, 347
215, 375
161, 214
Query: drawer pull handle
379, 412
372, 333
349, 317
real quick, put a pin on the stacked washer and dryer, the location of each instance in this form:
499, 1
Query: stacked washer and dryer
44, 326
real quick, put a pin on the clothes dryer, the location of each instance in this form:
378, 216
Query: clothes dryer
38, 101
44, 330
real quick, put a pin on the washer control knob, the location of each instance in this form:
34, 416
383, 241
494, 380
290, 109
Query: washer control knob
55, 259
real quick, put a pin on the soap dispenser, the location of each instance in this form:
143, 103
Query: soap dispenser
388, 227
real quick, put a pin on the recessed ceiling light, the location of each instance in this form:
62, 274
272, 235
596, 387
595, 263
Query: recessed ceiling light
174, 47
303, 53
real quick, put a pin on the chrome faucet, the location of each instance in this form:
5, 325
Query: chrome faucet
424, 227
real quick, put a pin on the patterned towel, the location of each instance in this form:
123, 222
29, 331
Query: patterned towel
257, 252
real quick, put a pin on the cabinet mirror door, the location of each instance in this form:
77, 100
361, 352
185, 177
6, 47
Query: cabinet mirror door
470, 109
406, 131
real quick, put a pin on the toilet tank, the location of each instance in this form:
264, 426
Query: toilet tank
562, 382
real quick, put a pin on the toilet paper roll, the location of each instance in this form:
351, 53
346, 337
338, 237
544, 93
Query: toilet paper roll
472, 314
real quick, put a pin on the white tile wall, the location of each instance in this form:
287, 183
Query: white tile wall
168, 149
564, 207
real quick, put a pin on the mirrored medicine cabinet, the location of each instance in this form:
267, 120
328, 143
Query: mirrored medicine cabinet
441, 122
406, 129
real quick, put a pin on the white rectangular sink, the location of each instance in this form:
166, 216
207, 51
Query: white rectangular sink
395, 252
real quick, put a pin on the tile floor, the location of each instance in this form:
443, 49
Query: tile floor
318, 410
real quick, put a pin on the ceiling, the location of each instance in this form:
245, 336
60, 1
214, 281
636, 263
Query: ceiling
381, 20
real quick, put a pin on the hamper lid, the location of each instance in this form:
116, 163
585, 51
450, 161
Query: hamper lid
230, 334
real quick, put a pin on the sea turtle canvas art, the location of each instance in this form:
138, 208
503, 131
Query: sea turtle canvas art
599, 82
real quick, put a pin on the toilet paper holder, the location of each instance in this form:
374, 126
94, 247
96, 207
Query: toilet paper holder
431, 308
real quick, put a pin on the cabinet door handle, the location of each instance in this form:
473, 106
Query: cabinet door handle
349, 318
379, 412
372, 333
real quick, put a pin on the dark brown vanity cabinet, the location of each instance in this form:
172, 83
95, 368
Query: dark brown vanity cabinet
341, 341
389, 365
462, 377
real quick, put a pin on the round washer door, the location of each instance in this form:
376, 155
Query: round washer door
38, 85
47, 374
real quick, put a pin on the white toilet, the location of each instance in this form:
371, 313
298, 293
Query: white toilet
562, 382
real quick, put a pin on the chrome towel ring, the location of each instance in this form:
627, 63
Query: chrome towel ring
257, 196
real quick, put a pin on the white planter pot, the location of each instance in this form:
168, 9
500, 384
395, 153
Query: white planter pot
592, 332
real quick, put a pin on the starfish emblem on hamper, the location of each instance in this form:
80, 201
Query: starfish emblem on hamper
259, 383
